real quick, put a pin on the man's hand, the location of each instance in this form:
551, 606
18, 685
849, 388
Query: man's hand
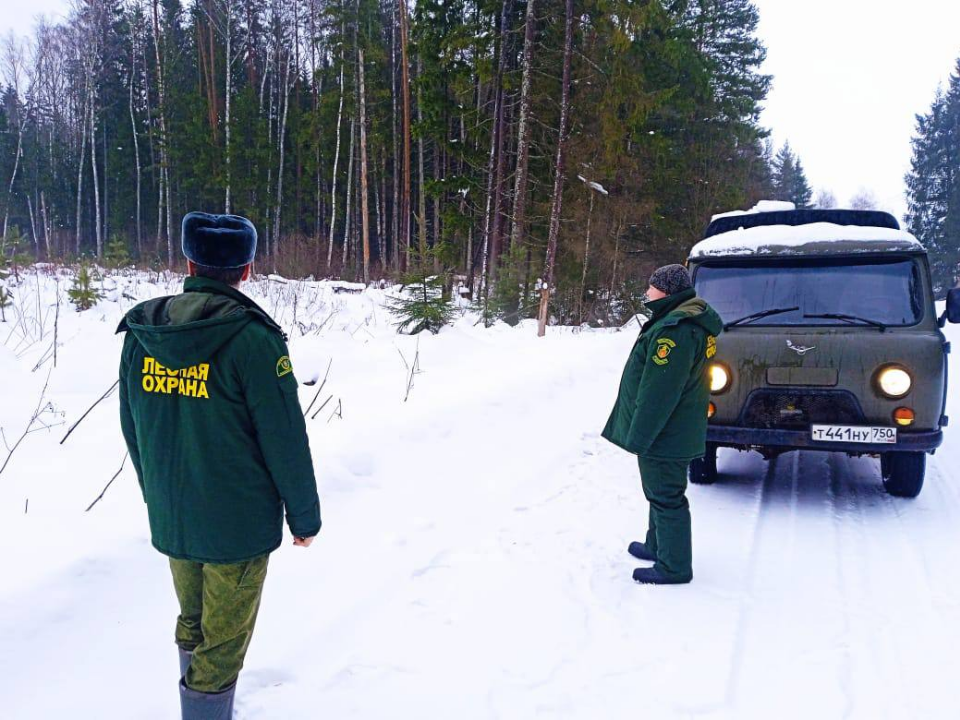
302, 542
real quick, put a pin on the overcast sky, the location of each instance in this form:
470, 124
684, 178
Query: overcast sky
849, 76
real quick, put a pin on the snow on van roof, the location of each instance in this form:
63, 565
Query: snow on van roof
763, 206
814, 238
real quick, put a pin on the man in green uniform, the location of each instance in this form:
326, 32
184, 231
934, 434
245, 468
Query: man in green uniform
211, 417
661, 417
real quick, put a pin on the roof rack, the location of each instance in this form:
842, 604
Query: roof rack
863, 218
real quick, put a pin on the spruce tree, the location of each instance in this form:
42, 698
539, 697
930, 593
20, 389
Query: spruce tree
82, 293
426, 303
117, 254
801, 194
933, 185
789, 179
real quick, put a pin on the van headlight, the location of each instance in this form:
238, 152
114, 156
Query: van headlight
719, 378
893, 381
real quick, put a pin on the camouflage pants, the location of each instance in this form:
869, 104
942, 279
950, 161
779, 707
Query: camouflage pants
218, 609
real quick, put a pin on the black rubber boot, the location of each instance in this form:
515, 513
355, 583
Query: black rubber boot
652, 576
640, 552
185, 657
196, 705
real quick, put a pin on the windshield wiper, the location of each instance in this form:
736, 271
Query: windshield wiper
847, 318
758, 315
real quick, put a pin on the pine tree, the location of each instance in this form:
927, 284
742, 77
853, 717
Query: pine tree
82, 293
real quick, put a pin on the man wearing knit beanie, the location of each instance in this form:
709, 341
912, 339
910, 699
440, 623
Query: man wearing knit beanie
661, 417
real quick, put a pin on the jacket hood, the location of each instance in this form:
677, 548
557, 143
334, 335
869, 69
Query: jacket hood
190, 328
698, 311
686, 307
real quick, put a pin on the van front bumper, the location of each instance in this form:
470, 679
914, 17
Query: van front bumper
745, 438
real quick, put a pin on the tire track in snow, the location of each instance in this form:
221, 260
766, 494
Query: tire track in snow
835, 488
761, 498
874, 560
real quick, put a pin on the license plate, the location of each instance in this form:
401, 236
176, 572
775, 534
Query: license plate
854, 434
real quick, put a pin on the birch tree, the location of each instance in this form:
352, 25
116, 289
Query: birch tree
557, 204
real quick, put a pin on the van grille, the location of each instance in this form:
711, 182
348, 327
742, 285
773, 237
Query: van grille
792, 408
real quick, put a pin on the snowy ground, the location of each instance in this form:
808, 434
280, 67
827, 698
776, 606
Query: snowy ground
473, 558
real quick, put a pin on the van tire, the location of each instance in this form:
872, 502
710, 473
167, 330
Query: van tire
703, 471
903, 473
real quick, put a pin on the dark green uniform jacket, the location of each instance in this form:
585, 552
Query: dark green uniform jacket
209, 410
661, 410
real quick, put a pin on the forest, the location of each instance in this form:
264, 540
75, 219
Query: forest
933, 184
508, 149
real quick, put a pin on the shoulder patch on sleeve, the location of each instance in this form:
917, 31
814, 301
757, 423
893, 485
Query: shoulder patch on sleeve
661, 353
284, 366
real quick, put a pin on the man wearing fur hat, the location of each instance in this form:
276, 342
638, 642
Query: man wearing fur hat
211, 417
661, 417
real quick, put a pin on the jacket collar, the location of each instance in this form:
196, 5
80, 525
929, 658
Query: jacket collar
208, 285
664, 306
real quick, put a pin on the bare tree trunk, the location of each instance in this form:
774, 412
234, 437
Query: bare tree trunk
495, 183
93, 176
33, 226
347, 217
46, 225
106, 187
616, 257
381, 204
523, 140
336, 161
586, 256
471, 250
421, 195
405, 85
136, 153
13, 175
395, 214
83, 159
549, 271
228, 89
488, 212
169, 207
364, 211
164, 145
317, 92
436, 209
282, 150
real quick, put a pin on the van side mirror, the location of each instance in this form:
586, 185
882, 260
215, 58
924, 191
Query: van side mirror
953, 306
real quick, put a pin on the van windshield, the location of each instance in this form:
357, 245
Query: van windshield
887, 291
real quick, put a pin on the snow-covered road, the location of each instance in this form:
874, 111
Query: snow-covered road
473, 558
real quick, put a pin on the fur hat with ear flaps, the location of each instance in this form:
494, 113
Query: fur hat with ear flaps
219, 241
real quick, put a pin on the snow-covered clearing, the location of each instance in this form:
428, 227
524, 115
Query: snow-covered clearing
473, 558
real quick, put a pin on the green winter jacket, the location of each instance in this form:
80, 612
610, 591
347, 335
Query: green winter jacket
661, 409
211, 417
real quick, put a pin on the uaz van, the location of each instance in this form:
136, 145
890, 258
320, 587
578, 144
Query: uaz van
831, 342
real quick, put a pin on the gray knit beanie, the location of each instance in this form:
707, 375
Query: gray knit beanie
671, 279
